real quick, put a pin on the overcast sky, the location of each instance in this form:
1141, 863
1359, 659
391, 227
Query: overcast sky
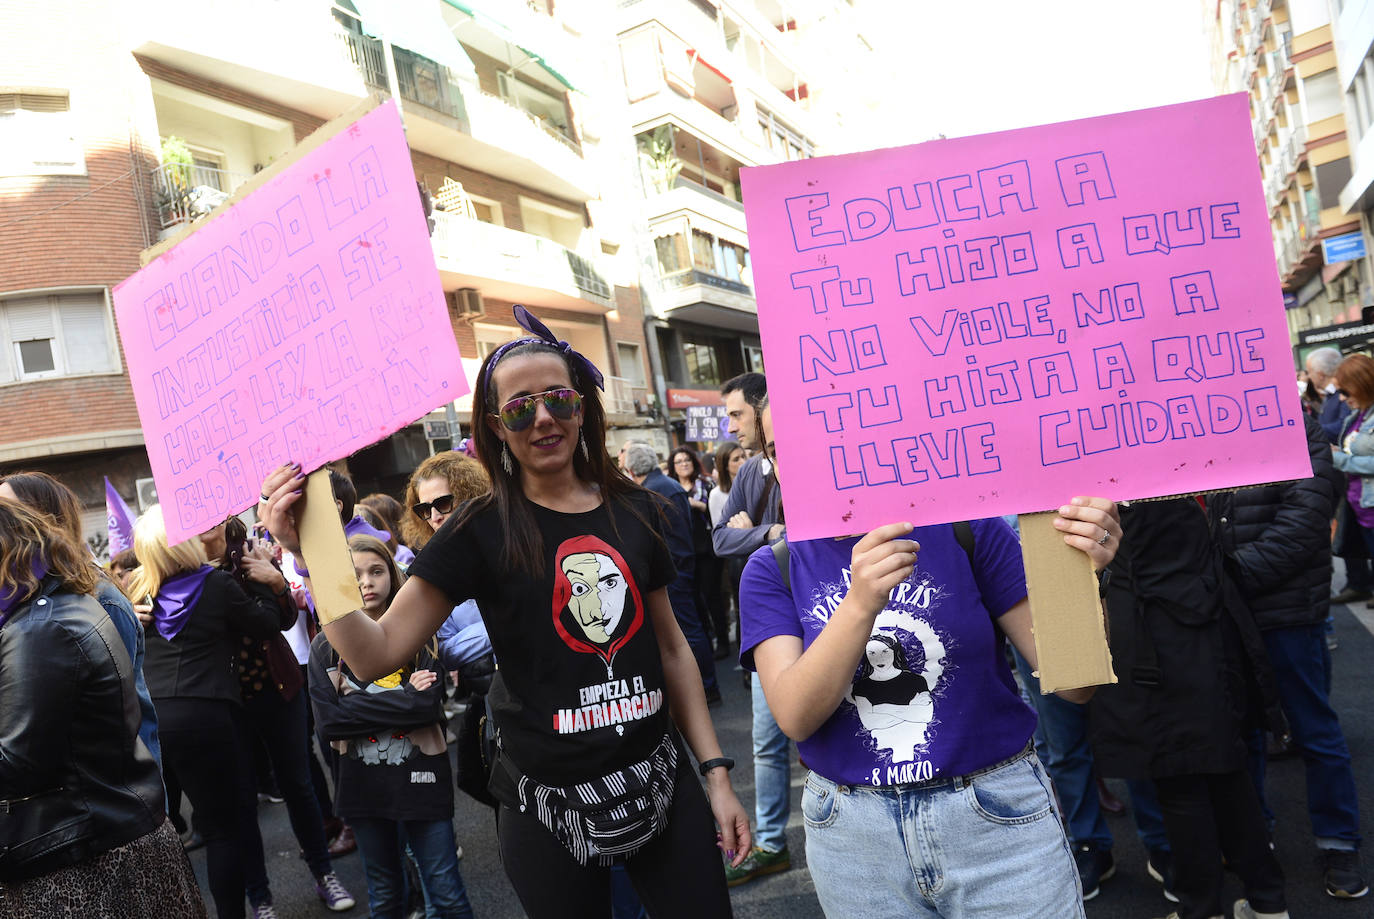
974, 66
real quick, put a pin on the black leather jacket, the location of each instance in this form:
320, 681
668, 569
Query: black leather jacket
75, 779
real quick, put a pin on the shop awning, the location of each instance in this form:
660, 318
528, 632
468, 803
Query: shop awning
417, 26
492, 16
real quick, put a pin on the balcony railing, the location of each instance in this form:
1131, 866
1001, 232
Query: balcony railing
184, 192
692, 276
680, 182
624, 397
419, 79
550, 129
500, 253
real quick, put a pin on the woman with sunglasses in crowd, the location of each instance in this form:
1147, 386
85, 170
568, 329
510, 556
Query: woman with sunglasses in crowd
567, 561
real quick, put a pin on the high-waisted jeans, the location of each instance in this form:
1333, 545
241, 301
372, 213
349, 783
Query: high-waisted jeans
988, 844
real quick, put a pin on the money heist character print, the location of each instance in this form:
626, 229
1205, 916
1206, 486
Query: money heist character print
597, 607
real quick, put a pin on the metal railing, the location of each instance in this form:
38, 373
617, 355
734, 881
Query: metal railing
185, 192
690, 276
549, 129
419, 79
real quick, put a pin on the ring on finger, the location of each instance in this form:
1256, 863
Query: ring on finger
1106, 538
264, 498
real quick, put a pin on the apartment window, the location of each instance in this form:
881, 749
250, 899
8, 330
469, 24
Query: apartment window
782, 140
627, 358
539, 219
491, 337
37, 135
54, 335
753, 358
486, 210
672, 253
699, 357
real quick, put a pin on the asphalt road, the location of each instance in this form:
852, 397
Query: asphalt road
790, 895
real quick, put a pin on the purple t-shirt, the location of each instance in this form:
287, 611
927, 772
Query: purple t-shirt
933, 695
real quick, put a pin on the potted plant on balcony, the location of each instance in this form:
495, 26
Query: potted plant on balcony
174, 182
659, 157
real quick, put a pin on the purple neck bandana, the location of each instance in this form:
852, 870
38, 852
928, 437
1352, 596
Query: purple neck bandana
531, 324
176, 598
360, 527
10, 597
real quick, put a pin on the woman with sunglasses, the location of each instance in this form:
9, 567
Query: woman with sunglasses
567, 561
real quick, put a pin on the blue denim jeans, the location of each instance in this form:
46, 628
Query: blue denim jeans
961, 848
381, 843
772, 776
1069, 761
1302, 665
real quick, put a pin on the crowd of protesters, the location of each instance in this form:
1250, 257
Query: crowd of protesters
580, 601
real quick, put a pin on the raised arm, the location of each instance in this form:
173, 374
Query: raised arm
372, 649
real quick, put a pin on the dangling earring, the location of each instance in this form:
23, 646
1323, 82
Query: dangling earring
505, 459
582, 442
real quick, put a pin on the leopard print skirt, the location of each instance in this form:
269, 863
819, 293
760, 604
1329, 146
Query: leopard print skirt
150, 876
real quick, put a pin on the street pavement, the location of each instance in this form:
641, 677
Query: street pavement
790, 895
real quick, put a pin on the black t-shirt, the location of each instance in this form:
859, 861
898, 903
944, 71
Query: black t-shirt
579, 692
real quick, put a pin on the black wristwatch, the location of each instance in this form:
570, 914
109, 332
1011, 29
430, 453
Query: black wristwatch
710, 764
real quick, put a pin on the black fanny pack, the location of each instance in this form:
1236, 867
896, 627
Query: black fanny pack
606, 818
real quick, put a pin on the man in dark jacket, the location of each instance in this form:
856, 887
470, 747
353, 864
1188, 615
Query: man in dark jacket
1275, 540
640, 462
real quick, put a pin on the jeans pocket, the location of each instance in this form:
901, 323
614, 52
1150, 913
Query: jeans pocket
1010, 795
820, 801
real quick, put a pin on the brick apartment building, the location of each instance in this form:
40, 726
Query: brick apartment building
119, 124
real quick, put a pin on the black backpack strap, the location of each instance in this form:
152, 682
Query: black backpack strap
782, 556
963, 532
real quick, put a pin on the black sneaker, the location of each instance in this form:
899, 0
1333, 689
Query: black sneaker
1094, 866
1160, 867
713, 697
1341, 873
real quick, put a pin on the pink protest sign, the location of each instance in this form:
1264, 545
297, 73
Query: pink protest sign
301, 323
994, 324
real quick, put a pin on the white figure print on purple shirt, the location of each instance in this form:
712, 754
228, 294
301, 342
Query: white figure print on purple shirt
895, 692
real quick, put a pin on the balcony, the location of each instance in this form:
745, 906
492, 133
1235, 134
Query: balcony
420, 80
182, 193
510, 265
706, 298
512, 144
624, 399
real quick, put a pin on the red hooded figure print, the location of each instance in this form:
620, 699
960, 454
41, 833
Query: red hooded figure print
597, 608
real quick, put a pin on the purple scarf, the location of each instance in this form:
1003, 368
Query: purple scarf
175, 599
11, 598
360, 527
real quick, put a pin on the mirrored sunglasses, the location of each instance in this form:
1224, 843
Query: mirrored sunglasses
443, 504
518, 414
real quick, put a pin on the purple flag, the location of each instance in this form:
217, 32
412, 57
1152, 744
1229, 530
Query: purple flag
119, 519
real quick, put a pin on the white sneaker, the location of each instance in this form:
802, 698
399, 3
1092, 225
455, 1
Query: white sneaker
1245, 911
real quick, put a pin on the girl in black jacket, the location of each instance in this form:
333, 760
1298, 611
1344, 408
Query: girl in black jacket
392, 780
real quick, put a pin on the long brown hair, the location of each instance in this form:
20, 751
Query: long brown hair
522, 545
31, 541
47, 495
365, 543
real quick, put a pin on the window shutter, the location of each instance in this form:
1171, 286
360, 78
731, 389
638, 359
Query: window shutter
30, 318
85, 335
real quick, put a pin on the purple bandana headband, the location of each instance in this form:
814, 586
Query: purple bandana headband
545, 337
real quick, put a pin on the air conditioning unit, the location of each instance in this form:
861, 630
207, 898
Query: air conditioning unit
147, 494
466, 303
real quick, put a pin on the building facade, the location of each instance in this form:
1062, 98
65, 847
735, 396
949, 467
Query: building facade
710, 87
1283, 53
121, 126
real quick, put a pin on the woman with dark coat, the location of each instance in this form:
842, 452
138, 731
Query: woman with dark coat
1277, 548
83, 824
1186, 654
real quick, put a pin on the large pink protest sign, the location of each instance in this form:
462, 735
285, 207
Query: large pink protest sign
994, 324
302, 323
